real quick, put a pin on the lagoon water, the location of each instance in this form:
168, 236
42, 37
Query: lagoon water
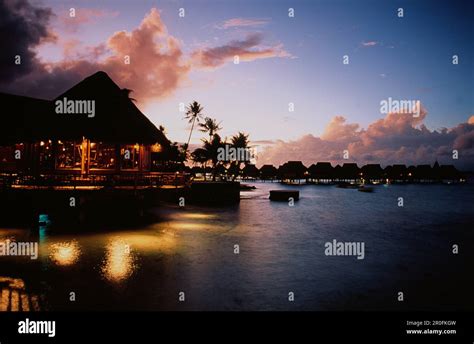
281, 250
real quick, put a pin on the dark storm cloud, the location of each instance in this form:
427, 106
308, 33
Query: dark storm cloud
22, 27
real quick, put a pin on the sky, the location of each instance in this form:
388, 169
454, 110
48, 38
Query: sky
177, 59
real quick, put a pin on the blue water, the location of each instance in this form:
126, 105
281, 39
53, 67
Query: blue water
191, 250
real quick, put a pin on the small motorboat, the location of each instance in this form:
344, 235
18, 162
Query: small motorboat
246, 187
364, 188
345, 185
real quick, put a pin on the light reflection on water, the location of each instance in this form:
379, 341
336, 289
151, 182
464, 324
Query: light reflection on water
65, 253
281, 249
120, 262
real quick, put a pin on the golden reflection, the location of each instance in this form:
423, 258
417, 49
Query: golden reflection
14, 297
196, 226
65, 253
197, 216
119, 263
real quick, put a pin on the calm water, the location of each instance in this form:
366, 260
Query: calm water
407, 249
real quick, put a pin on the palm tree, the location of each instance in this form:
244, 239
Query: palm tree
200, 156
240, 140
162, 129
212, 148
210, 126
193, 115
126, 92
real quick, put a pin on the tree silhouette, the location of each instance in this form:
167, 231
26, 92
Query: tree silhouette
210, 126
193, 115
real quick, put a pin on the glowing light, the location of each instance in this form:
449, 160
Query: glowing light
199, 216
42, 143
156, 148
119, 263
65, 253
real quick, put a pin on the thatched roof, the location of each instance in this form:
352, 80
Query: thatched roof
250, 170
292, 169
321, 170
267, 171
349, 170
116, 118
372, 171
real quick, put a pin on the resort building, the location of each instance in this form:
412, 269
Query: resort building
93, 129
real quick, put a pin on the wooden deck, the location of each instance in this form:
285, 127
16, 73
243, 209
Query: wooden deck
124, 181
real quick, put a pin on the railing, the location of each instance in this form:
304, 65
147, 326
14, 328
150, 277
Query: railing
149, 179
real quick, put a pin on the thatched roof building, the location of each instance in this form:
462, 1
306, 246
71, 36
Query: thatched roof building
321, 170
268, 172
94, 126
292, 170
372, 172
250, 171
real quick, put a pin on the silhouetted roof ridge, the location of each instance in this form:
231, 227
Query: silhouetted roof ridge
21, 97
115, 117
99, 80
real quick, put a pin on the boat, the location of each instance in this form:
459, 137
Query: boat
246, 187
364, 188
345, 185
284, 195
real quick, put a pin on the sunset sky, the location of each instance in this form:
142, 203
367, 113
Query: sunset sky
283, 60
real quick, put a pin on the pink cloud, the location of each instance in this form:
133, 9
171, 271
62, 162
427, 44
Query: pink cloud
369, 43
397, 138
248, 49
157, 66
83, 16
338, 130
243, 22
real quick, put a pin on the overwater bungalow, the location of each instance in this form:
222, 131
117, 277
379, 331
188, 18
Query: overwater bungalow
292, 170
92, 132
321, 172
449, 174
250, 171
423, 174
396, 173
372, 173
268, 172
349, 172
